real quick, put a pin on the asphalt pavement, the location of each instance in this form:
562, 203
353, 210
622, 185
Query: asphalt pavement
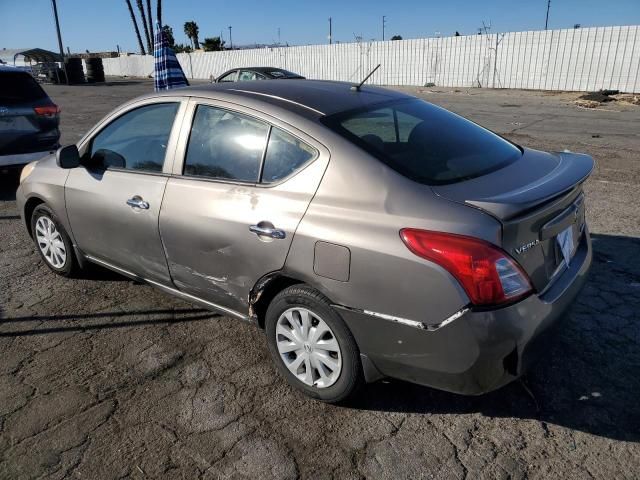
101, 377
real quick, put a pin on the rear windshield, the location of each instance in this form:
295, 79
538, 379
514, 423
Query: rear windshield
423, 142
283, 74
19, 87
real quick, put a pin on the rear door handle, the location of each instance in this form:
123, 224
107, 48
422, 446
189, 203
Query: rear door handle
268, 232
138, 202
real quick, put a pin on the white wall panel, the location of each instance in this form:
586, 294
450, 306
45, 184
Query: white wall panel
570, 59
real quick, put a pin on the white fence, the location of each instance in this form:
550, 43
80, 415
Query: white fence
582, 59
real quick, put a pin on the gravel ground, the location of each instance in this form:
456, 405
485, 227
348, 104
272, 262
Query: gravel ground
105, 378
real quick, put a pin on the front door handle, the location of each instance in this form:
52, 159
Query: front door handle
268, 232
138, 202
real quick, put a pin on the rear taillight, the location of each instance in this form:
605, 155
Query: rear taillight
487, 273
47, 111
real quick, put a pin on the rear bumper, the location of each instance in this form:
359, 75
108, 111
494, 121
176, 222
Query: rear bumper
481, 350
21, 159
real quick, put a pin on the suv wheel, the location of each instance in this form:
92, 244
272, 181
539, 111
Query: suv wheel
311, 345
52, 241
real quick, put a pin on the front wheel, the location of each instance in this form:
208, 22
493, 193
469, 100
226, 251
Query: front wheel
52, 241
311, 345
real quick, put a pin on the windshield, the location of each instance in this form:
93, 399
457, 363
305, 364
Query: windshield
423, 142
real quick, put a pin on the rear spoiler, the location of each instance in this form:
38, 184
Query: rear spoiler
572, 170
536, 178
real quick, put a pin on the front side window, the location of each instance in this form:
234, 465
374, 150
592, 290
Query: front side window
285, 154
136, 140
423, 142
225, 145
229, 77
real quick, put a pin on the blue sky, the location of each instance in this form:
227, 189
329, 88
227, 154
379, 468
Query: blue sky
100, 25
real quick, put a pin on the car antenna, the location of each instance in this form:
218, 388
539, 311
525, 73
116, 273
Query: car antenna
356, 88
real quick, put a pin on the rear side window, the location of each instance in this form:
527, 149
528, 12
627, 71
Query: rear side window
423, 142
249, 75
136, 140
285, 154
19, 87
225, 145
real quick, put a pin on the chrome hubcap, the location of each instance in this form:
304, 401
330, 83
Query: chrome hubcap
308, 347
50, 242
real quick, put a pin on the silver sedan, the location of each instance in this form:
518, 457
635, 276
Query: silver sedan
369, 233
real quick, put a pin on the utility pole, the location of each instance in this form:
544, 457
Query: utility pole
230, 40
330, 37
384, 21
278, 36
546, 22
55, 16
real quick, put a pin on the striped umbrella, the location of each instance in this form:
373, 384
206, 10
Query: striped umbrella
168, 72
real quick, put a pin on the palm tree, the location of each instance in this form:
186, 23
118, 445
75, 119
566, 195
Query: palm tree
144, 24
135, 26
159, 12
191, 31
149, 14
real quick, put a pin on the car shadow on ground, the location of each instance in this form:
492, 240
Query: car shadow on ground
48, 324
589, 376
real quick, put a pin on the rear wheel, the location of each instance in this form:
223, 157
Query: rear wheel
52, 242
311, 345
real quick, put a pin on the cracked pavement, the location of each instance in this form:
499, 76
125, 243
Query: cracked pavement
101, 377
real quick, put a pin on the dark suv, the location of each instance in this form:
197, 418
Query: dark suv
28, 119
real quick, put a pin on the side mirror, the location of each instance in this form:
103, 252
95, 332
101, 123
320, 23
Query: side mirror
68, 157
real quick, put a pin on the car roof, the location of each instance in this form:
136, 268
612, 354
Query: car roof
260, 69
311, 98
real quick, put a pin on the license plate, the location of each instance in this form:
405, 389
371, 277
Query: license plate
566, 244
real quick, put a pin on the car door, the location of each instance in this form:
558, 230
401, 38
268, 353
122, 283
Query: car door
113, 199
224, 223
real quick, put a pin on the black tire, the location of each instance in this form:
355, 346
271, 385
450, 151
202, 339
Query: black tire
351, 377
70, 267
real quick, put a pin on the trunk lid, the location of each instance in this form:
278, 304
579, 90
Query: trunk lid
540, 203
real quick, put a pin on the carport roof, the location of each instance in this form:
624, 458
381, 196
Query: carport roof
36, 54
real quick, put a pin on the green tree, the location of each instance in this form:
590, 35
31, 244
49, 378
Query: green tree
181, 48
191, 30
213, 44
396, 37
135, 26
168, 34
